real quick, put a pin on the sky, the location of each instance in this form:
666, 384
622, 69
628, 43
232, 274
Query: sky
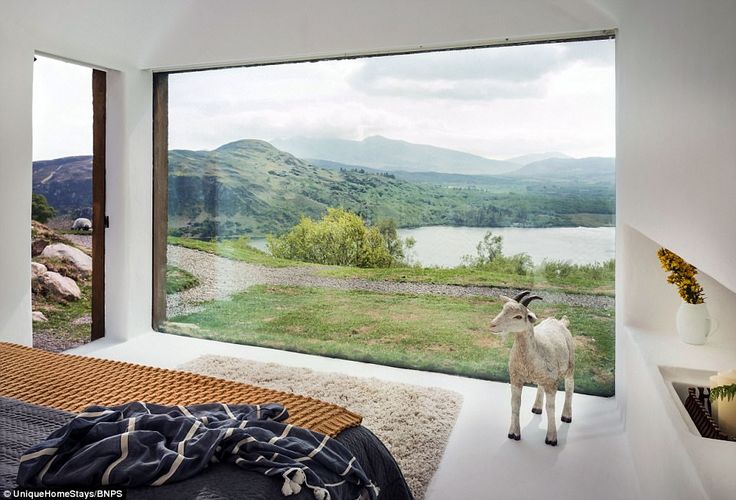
62, 109
497, 102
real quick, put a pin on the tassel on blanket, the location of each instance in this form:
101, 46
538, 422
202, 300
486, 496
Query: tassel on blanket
292, 485
321, 494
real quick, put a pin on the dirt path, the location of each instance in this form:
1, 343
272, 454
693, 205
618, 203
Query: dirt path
220, 277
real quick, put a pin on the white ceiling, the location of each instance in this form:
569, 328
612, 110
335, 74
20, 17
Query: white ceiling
165, 34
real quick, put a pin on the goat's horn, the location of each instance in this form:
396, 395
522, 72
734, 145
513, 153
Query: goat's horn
525, 302
521, 295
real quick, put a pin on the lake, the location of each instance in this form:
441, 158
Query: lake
445, 246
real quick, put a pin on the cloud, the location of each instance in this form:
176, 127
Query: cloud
483, 74
496, 102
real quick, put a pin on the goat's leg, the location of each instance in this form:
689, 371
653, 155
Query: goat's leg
567, 409
549, 396
537, 408
515, 429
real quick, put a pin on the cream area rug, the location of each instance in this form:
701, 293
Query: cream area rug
413, 422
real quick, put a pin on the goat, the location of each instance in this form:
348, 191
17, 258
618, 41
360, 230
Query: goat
541, 354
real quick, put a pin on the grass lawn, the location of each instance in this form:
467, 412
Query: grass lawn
425, 332
62, 315
553, 276
178, 280
575, 282
238, 249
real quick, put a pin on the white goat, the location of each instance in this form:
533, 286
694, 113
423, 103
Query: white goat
541, 354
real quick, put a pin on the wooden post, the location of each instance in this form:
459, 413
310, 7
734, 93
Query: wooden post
99, 137
160, 194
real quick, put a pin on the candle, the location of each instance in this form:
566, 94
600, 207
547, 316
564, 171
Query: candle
715, 381
725, 411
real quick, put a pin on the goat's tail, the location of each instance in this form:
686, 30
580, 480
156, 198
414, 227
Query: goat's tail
565, 322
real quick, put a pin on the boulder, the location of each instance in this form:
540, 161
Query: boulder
73, 256
37, 247
59, 286
37, 269
38, 316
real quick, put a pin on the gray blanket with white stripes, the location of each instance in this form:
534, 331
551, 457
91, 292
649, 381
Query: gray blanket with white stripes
138, 444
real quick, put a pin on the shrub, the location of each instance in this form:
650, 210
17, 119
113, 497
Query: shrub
339, 238
489, 256
41, 211
561, 272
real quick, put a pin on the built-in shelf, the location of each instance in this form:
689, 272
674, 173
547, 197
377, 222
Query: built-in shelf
678, 380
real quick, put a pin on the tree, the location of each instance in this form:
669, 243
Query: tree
41, 211
489, 248
339, 238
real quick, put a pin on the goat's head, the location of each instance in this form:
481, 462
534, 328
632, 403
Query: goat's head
515, 315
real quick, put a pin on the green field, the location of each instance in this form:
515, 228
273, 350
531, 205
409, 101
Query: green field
553, 276
423, 332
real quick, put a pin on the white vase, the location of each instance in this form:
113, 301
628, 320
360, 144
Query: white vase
693, 323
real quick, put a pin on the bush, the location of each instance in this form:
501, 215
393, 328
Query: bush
339, 238
41, 211
490, 257
561, 272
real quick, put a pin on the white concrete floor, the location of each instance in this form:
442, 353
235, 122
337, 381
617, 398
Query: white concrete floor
592, 459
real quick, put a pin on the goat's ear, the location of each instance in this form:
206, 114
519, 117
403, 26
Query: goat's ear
531, 317
505, 298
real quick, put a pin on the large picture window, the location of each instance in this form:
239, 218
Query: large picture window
376, 208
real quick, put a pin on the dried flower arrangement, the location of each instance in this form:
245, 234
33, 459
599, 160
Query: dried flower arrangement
682, 275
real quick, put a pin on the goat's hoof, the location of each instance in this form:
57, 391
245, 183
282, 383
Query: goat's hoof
565, 419
537, 411
550, 442
513, 436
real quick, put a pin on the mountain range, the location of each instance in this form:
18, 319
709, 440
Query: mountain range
389, 155
250, 187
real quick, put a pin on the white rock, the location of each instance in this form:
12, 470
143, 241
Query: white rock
67, 253
60, 286
37, 269
38, 316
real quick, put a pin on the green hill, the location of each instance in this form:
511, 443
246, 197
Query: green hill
251, 188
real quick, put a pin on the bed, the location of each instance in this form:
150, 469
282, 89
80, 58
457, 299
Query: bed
41, 391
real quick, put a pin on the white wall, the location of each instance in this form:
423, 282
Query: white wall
16, 61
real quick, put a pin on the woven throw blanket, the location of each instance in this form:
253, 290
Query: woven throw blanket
71, 383
147, 444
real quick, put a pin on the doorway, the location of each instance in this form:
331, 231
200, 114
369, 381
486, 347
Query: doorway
68, 204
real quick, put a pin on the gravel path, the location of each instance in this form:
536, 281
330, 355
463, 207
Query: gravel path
82, 240
220, 277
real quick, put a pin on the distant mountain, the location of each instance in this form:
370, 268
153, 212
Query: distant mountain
592, 169
531, 158
249, 187
66, 183
392, 155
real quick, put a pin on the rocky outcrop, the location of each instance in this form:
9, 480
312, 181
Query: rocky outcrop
37, 247
37, 270
60, 287
69, 254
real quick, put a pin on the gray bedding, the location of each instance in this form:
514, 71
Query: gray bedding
23, 424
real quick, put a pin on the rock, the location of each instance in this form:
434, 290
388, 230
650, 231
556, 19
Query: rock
73, 256
59, 286
37, 269
37, 247
38, 316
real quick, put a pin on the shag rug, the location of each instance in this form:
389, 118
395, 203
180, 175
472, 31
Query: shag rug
413, 422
